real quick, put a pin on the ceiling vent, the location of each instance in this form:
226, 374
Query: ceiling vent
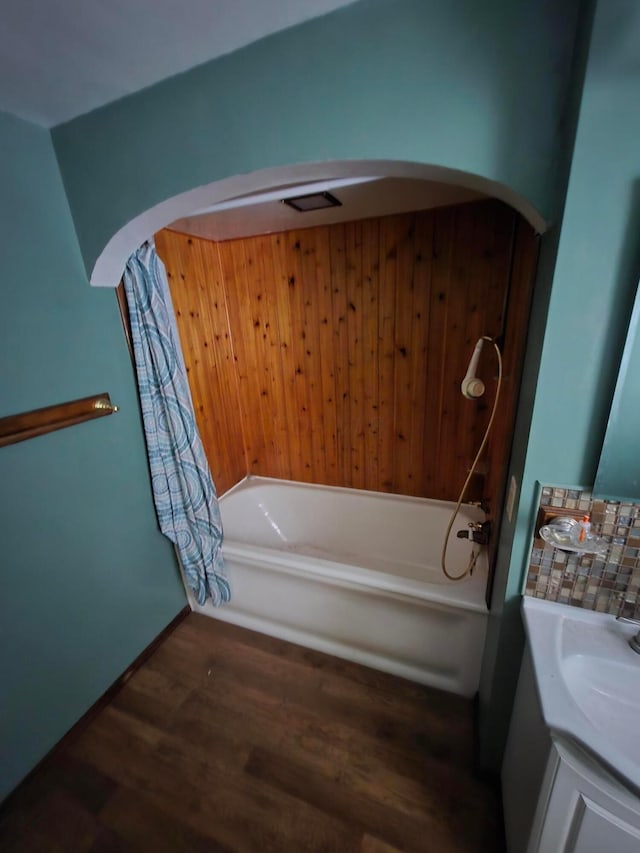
313, 201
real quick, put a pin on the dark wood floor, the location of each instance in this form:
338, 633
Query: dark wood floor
229, 740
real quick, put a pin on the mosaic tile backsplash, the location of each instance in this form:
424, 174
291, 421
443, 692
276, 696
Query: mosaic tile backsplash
609, 583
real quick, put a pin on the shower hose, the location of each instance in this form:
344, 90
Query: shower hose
474, 554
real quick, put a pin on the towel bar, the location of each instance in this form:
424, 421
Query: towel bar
26, 425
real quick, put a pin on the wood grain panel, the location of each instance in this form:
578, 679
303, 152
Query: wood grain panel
198, 294
386, 353
518, 305
339, 353
433, 460
355, 449
339, 350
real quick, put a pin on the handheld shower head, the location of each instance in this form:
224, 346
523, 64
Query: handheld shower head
471, 386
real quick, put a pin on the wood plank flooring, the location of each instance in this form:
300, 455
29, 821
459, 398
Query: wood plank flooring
227, 740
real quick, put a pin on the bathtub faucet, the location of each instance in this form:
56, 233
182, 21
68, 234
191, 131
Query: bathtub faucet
478, 532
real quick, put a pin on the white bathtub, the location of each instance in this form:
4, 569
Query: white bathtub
355, 574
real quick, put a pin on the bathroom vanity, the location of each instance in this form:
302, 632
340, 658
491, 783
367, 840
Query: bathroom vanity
571, 772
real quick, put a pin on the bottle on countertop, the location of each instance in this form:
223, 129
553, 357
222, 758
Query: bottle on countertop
585, 529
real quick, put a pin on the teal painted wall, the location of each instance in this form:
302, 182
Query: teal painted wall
87, 581
492, 89
479, 87
488, 88
594, 282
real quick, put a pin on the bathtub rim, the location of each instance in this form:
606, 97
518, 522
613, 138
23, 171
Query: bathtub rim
258, 478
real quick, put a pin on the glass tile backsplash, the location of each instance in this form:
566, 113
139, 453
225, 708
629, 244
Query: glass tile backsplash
608, 582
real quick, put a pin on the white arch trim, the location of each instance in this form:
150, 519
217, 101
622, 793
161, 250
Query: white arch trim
110, 264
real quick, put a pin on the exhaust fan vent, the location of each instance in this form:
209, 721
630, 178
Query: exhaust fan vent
313, 201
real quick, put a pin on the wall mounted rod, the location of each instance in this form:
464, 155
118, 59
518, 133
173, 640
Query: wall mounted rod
30, 424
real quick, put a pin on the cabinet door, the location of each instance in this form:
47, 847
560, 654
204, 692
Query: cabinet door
596, 829
586, 810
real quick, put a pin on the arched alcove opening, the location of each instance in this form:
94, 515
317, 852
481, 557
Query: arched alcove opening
108, 267
332, 353
299, 370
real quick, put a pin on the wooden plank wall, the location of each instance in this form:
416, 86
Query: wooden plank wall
334, 354
199, 300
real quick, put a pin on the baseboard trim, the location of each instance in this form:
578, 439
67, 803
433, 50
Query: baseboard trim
100, 703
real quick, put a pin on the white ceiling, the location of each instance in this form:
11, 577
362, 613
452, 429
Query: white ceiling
62, 58
361, 198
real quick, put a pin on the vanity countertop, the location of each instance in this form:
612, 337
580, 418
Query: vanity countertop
588, 680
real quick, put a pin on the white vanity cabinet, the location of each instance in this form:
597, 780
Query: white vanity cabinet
557, 798
582, 809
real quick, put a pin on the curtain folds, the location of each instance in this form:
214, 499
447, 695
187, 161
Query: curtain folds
183, 491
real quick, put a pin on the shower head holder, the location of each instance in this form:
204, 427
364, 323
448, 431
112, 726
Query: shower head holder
472, 388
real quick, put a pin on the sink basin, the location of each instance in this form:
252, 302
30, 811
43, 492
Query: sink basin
589, 681
607, 693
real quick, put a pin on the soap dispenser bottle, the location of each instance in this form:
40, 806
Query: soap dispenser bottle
585, 529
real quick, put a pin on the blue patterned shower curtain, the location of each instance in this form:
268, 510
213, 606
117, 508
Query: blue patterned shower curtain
183, 491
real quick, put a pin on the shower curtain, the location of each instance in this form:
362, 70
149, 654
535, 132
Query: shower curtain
183, 491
